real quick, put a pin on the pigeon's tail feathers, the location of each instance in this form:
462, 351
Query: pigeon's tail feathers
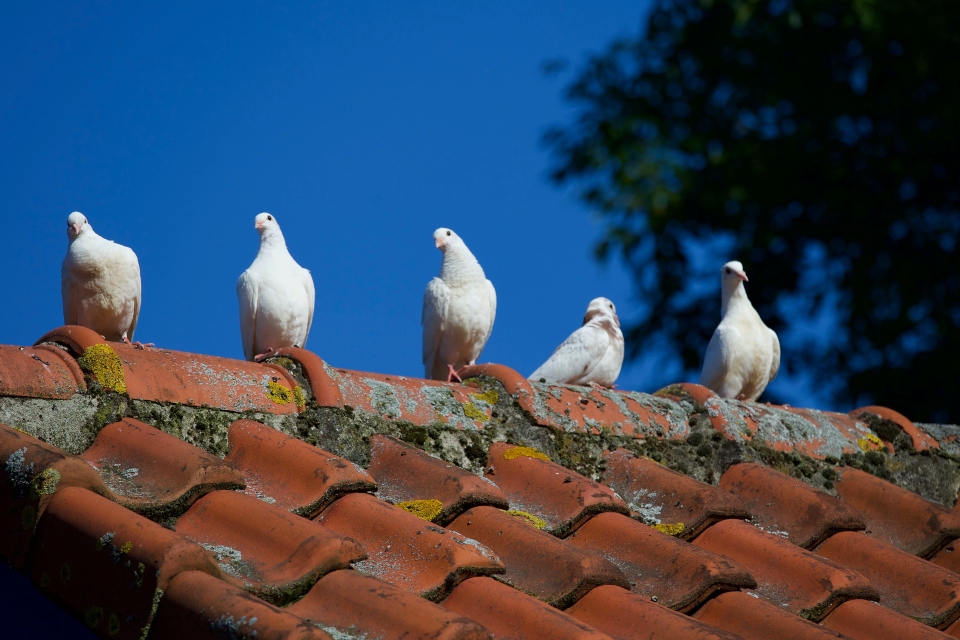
436, 301
491, 294
247, 294
718, 359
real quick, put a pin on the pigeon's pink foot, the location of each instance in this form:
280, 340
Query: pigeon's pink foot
136, 345
741, 397
451, 374
599, 387
262, 356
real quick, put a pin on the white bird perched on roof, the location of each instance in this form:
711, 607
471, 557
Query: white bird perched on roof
458, 310
743, 356
99, 282
276, 295
591, 355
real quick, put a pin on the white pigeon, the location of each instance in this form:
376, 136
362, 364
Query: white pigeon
99, 282
458, 310
591, 355
276, 295
743, 356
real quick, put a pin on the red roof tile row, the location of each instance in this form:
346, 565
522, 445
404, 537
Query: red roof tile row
144, 534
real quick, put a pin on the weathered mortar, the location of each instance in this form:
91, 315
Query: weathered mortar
704, 454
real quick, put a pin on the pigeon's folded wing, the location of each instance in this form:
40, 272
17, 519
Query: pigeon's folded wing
492, 299
436, 300
719, 357
576, 356
311, 298
775, 364
247, 292
134, 266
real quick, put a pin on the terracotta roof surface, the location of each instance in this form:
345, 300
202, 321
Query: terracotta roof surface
165, 495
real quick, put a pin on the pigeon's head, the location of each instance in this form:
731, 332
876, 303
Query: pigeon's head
732, 273
601, 307
76, 224
445, 238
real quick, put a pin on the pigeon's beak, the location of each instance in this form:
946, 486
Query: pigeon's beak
75, 228
438, 242
743, 276
258, 225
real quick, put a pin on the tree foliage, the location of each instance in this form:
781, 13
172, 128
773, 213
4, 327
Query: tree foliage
814, 140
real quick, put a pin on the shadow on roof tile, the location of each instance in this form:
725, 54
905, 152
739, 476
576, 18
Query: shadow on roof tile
352, 603
678, 574
865, 620
196, 605
31, 472
781, 504
629, 616
754, 618
533, 483
323, 388
509, 613
405, 550
656, 494
898, 516
886, 422
790, 577
270, 552
538, 563
106, 564
153, 473
405, 473
290, 473
907, 584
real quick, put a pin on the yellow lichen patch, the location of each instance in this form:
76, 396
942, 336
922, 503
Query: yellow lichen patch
424, 509
669, 529
865, 442
299, 398
528, 452
529, 518
113, 624
104, 364
93, 616
127, 547
44, 483
473, 411
279, 393
490, 397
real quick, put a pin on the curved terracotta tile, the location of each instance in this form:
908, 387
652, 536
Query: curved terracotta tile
325, 390
153, 473
36, 372
790, 577
196, 605
785, 506
675, 573
106, 564
344, 601
865, 620
31, 471
72, 336
290, 473
270, 552
898, 516
511, 379
415, 400
754, 618
533, 483
538, 563
658, 495
405, 473
405, 550
629, 616
921, 440
509, 613
907, 584
948, 557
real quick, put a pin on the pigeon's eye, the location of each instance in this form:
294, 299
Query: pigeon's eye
269, 217
448, 233
727, 269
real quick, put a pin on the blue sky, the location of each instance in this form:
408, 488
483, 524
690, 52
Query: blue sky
362, 126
